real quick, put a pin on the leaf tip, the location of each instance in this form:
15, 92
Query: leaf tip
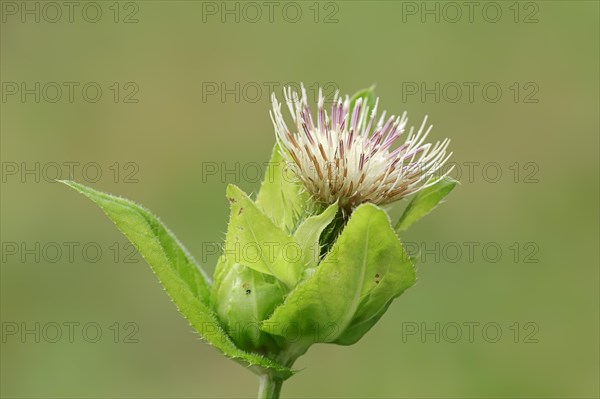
72, 184
233, 192
452, 181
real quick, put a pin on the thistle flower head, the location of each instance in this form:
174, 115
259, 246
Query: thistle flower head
356, 158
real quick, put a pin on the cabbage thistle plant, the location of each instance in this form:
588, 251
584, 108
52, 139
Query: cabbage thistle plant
314, 258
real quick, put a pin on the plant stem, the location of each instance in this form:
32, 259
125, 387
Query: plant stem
270, 383
270, 387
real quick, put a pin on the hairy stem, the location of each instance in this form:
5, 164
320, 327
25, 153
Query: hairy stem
270, 387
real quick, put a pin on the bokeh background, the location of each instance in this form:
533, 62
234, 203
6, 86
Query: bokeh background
159, 124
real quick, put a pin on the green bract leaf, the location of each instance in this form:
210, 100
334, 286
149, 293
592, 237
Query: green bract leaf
282, 196
308, 233
424, 202
256, 242
185, 283
244, 298
366, 268
368, 96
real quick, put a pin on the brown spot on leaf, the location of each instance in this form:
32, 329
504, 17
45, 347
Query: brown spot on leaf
240, 211
246, 286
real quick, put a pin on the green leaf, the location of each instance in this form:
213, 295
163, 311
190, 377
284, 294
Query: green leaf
368, 96
364, 271
308, 233
256, 242
185, 283
282, 196
424, 202
244, 298
359, 328
153, 240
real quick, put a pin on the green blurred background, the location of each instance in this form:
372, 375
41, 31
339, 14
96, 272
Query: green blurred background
176, 129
